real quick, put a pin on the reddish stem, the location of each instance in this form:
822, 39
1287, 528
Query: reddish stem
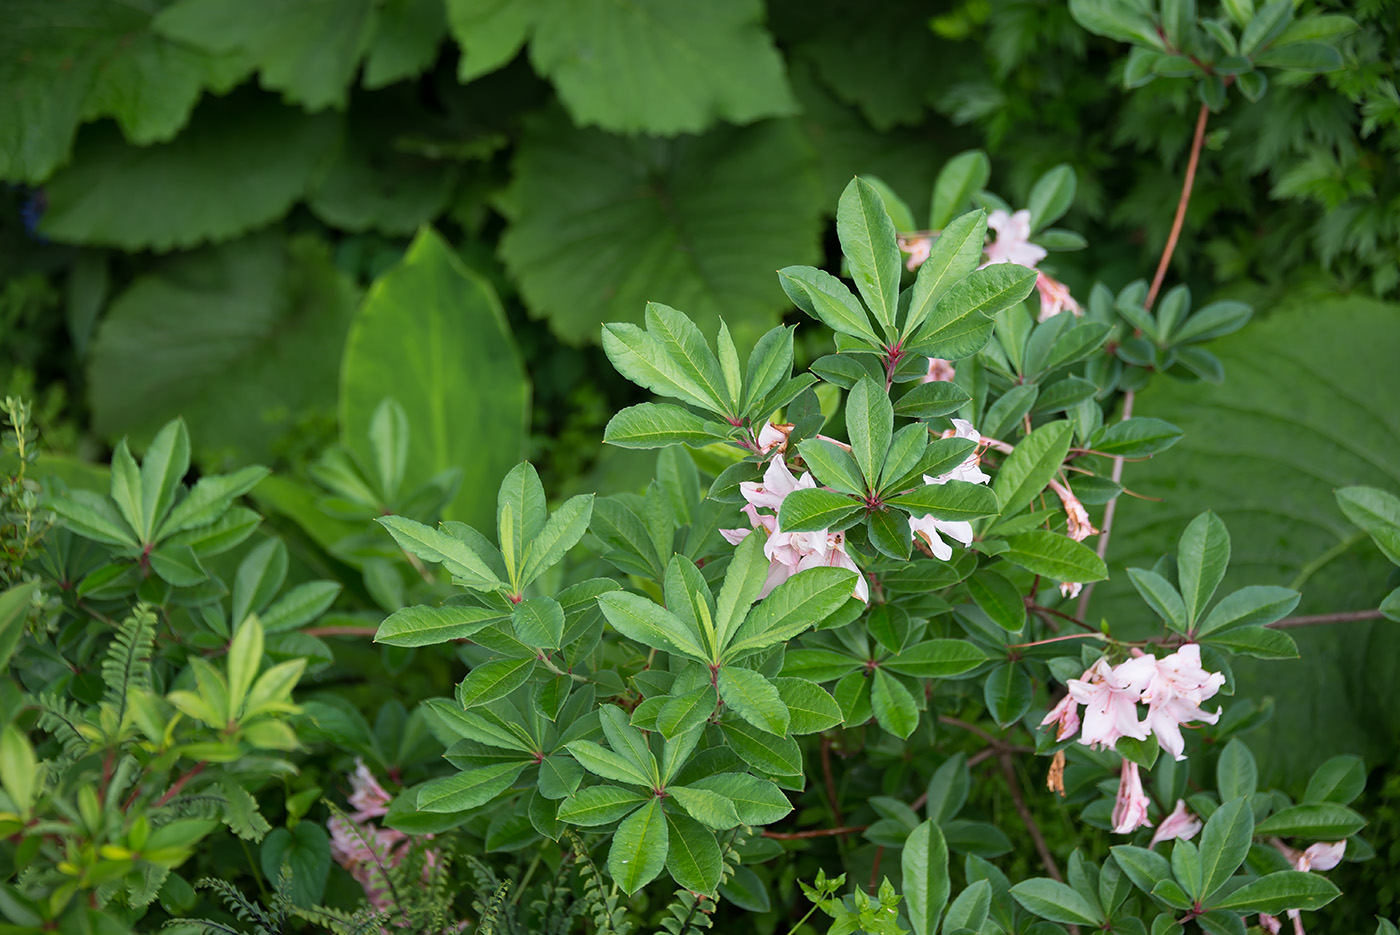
1192, 161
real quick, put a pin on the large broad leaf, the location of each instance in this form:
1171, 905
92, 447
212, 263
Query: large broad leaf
602, 224
308, 50
1305, 410
242, 163
61, 63
432, 335
663, 66
234, 338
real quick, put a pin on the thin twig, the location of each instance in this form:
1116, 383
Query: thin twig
1014, 784
1348, 616
875, 868
1191, 163
814, 833
970, 728
340, 631
179, 784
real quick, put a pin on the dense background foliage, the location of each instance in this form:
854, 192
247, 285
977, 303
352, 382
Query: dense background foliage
220, 209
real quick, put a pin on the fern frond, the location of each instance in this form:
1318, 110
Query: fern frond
64, 720
128, 662
608, 916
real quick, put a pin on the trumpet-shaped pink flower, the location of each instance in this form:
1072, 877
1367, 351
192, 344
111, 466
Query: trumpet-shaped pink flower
790, 552
939, 371
1066, 715
1130, 807
918, 249
1077, 519
1175, 690
772, 436
1013, 240
1270, 924
927, 527
1320, 856
1110, 697
367, 796
1179, 824
1054, 298
1070, 589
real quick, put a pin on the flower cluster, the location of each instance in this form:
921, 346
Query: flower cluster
789, 552
926, 528
1173, 688
363, 847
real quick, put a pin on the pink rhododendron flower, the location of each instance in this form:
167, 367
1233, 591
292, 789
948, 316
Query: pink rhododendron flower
1078, 520
1130, 808
790, 552
1270, 924
367, 796
1070, 589
1065, 714
1176, 687
1013, 240
939, 371
917, 248
773, 436
1110, 697
1179, 824
927, 527
1320, 856
1054, 298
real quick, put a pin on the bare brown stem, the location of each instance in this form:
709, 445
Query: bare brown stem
830, 781
1191, 162
1013, 783
1348, 616
814, 833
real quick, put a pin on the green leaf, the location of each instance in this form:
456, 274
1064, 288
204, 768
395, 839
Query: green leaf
958, 183
769, 364
931, 400
639, 847
1268, 23
924, 864
810, 707
754, 698
1186, 867
520, 515
1051, 196
960, 323
406, 41
308, 52
643, 621
827, 299
756, 801
178, 565
683, 713
719, 214
470, 789
954, 254
599, 805
661, 68
947, 789
1144, 867
1339, 780
814, 509
999, 599
431, 334
1277, 892
608, 764
209, 500
192, 189
833, 466
706, 806
164, 465
1055, 901
14, 611
1054, 556
1225, 842
869, 423
1377, 512
1259, 642
259, 577
951, 501
539, 622
1302, 56
937, 659
894, 707
693, 860
970, 910
93, 516
561, 533
434, 545
778, 756
1031, 465
492, 680
1202, 559
1250, 606
799, 603
211, 335
1137, 437
867, 238
1236, 775
1164, 599
1317, 821
306, 848
1125, 22
657, 425
1007, 693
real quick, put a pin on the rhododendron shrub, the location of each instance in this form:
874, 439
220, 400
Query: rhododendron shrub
889, 547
